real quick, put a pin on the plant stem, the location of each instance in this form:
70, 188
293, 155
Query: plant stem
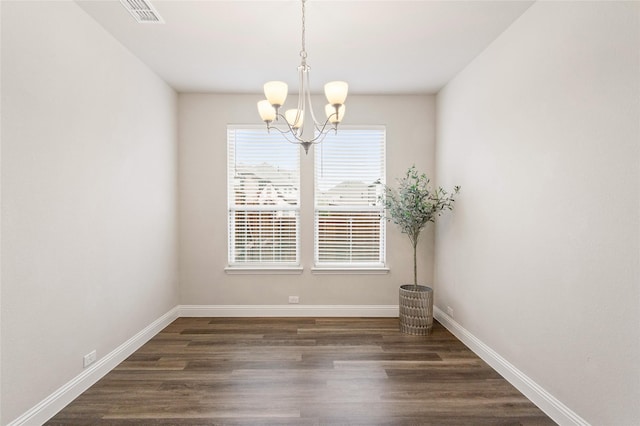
415, 265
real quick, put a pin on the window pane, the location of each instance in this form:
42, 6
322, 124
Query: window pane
263, 198
349, 220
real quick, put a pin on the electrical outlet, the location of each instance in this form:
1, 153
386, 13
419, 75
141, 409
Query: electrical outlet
450, 311
294, 299
89, 358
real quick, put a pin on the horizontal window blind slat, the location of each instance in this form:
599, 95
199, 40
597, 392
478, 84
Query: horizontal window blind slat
264, 208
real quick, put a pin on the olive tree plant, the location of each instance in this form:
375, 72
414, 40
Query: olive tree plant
413, 204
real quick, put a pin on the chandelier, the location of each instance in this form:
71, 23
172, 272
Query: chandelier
294, 119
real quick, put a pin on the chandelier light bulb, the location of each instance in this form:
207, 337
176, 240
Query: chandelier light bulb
276, 93
267, 111
295, 117
336, 92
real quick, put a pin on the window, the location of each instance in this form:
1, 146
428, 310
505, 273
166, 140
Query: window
349, 218
263, 198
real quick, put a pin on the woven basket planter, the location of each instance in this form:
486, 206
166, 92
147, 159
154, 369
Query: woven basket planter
416, 309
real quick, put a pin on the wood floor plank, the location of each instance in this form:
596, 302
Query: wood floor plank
300, 371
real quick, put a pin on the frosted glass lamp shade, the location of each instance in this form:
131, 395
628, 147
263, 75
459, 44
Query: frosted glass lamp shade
336, 92
295, 118
267, 111
330, 110
276, 92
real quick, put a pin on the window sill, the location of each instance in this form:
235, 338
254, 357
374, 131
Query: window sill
345, 270
263, 270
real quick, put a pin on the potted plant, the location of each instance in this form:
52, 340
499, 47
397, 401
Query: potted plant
412, 206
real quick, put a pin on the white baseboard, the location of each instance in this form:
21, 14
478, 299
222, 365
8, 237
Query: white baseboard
51, 405
288, 310
555, 409
55, 402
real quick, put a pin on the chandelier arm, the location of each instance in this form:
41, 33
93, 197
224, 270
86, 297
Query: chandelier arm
318, 139
289, 131
286, 134
301, 84
323, 132
296, 141
320, 129
307, 99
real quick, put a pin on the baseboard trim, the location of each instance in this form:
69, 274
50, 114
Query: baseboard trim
55, 402
555, 409
51, 405
288, 310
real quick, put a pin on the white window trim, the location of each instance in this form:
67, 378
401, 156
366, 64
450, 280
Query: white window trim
349, 270
263, 270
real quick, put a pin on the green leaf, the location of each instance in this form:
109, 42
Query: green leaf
413, 204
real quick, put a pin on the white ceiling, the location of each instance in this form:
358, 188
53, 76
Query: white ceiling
379, 47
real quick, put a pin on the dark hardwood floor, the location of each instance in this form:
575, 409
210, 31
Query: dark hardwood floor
301, 371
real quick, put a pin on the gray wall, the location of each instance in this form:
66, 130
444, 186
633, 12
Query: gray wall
540, 260
89, 231
202, 121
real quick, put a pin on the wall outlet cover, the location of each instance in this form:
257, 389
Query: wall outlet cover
89, 358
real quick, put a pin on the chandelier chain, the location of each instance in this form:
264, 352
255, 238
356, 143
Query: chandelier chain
303, 52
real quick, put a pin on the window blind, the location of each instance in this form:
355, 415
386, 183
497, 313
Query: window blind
349, 217
263, 174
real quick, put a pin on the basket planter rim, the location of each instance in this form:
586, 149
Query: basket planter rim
411, 287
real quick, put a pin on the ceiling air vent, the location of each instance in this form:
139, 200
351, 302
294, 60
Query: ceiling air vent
143, 11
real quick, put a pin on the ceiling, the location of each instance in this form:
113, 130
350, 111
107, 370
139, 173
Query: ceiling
378, 47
